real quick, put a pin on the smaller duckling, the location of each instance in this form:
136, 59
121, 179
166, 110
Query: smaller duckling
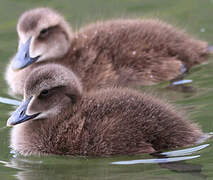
123, 52
56, 117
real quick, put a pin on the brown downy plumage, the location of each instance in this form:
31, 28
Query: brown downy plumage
58, 118
114, 52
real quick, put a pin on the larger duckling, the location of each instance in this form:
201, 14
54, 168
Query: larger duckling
114, 52
56, 117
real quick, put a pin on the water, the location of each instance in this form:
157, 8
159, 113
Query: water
195, 98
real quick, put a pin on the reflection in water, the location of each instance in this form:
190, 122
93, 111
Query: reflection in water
184, 152
89, 170
161, 160
154, 161
185, 81
165, 156
11, 165
174, 163
183, 167
2, 128
10, 101
182, 88
63, 167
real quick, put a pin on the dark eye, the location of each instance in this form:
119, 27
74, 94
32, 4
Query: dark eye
44, 92
43, 32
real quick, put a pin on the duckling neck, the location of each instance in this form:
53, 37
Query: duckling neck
48, 136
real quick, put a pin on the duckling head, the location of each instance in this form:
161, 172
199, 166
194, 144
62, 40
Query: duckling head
43, 34
49, 92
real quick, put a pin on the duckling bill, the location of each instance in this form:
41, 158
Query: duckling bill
19, 116
57, 117
22, 58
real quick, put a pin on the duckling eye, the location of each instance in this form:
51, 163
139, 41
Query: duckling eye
44, 93
43, 32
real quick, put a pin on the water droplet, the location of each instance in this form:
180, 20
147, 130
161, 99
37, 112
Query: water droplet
185, 81
202, 30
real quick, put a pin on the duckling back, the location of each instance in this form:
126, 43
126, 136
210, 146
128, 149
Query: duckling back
132, 53
123, 121
145, 36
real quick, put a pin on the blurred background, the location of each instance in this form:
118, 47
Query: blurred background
196, 98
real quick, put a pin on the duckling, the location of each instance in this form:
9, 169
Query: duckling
57, 117
115, 52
